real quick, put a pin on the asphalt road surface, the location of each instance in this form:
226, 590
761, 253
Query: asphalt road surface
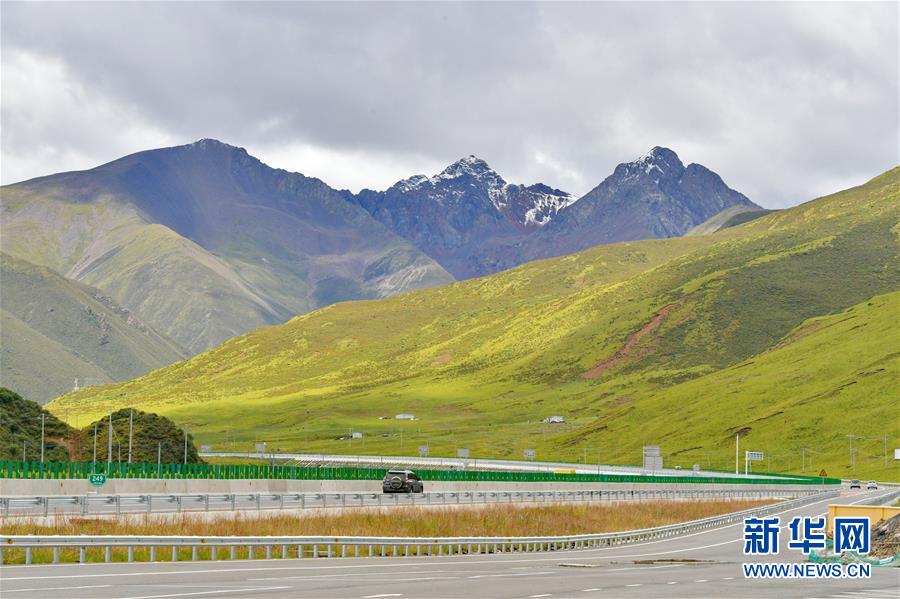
629, 571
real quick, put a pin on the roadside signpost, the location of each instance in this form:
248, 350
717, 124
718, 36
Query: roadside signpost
529, 454
423, 451
752, 456
652, 458
97, 480
462, 453
205, 448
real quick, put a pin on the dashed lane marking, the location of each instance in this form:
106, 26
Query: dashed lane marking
244, 590
92, 586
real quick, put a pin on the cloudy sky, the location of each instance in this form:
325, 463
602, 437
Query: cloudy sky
785, 101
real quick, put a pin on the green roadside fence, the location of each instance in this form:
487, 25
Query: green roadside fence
75, 470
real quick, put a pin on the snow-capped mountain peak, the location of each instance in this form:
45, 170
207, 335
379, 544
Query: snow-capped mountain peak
658, 163
469, 165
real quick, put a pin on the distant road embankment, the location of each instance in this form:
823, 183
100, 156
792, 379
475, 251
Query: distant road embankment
368, 461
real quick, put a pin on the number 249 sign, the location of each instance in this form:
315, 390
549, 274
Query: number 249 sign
97, 479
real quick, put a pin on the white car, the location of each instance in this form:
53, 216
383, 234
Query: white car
871, 485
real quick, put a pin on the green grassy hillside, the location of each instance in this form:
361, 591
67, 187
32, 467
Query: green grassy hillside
54, 331
599, 337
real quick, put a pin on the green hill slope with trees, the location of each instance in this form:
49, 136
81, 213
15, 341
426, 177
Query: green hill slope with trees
599, 335
152, 436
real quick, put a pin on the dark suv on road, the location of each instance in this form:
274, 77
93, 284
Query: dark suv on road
401, 481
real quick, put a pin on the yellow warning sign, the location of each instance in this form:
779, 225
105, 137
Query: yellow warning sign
822, 473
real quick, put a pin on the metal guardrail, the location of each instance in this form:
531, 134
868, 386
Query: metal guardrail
176, 503
338, 546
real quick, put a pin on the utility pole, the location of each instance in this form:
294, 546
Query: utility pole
737, 443
95, 444
803, 459
42, 436
158, 457
109, 446
884, 438
185, 445
130, 433
23, 450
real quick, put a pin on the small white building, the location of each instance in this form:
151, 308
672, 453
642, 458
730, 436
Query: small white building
405, 417
554, 420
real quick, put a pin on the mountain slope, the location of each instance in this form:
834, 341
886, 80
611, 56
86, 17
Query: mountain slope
730, 217
458, 215
204, 242
579, 336
830, 376
652, 197
471, 221
55, 331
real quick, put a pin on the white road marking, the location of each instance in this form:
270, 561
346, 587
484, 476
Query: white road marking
208, 592
728, 578
92, 586
425, 578
590, 590
537, 596
383, 595
673, 582
372, 574
633, 585
701, 580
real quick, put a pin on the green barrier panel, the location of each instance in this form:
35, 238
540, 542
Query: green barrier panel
56, 470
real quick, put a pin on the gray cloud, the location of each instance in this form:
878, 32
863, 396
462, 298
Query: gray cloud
785, 101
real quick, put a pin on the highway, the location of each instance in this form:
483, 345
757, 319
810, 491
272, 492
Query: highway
336, 460
631, 571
